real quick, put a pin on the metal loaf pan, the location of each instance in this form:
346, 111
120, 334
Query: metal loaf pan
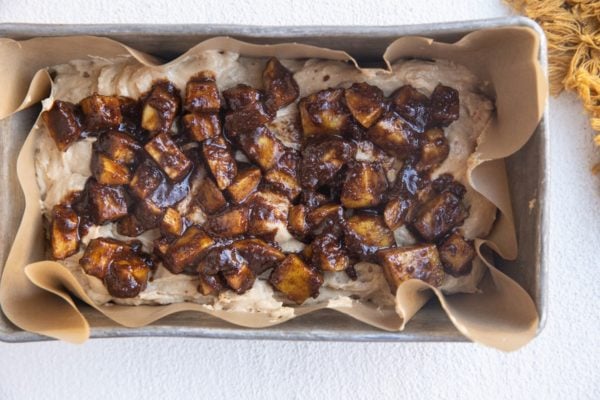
366, 43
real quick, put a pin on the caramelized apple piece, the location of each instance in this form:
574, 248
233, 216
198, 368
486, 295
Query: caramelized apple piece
328, 253
439, 215
202, 94
108, 172
296, 280
107, 203
210, 285
241, 96
394, 135
396, 211
209, 197
364, 234
415, 262
280, 87
160, 246
127, 275
244, 184
160, 107
233, 222
172, 223
259, 255
220, 161
221, 259
269, 211
321, 161
64, 232
261, 147
168, 156
200, 127
63, 121
365, 185
434, 150
365, 102
297, 224
148, 214
313, 199
457, 255
119, 146
284, 182
412, 105
240, 280
146, 180
323, 113
98, 255
323, 213
130, 226
101, 112
247, 110
445, 106
188, 249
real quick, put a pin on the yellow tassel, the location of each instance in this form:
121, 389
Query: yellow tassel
573, 31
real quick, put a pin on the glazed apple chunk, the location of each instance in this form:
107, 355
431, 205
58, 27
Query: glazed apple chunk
206, 175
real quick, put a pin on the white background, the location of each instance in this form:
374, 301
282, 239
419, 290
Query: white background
560, 364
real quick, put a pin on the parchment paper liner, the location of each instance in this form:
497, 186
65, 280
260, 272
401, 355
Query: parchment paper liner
36, 295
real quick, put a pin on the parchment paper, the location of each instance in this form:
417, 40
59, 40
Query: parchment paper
35, 294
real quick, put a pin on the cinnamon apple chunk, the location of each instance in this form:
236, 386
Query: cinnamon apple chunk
445, 106
244, 184
412, 105
261, 147
241, 96
146, 179
323, 113
328, 253
127, 275
210, 285
297, 224
284, 182
64, 232
160, 107
109, 172
280, 87
365, 102
259, 254
394, 135
365, 234
119, 146
415, 262
456, 254
439, 215
200, 127
268, 212
434, 149
64, 123
188, 249
172, 223
202, 94
365, 185
101, 112
296, 280
168, 156
209, 197
220, 161
241, 279
98, 255
106, 203
321, 161
233, 222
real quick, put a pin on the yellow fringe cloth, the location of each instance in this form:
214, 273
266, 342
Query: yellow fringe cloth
573, 31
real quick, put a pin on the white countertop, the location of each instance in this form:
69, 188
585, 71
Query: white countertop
561, 363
